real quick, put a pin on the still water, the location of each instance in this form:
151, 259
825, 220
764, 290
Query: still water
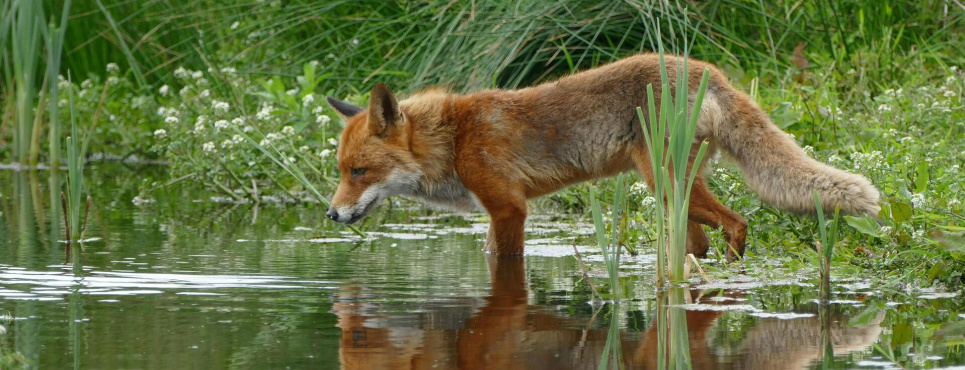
181, 280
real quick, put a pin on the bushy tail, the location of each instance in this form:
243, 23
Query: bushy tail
781, 172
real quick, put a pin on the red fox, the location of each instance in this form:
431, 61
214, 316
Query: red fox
495, 149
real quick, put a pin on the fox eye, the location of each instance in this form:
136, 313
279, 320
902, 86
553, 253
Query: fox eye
358, 172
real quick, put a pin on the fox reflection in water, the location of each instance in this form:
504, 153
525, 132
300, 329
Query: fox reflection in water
503, 331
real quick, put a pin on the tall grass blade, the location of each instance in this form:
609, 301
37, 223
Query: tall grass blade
123, 44
55, 46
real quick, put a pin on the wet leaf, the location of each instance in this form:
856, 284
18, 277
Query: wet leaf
903, 333
865, 225
951, 330
935, 270
866, 317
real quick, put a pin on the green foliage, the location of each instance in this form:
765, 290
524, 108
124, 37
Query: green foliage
207, 124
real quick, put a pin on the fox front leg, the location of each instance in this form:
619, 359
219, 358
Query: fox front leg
507, 213
505, 235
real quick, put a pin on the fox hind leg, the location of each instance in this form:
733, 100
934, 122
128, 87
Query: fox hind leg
705, 209
697, 241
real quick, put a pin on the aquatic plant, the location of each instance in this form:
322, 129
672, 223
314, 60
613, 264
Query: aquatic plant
829, 236
76, 155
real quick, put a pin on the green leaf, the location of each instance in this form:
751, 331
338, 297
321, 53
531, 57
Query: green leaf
900, 211
866, 317
954, 242
921, 179
865, 225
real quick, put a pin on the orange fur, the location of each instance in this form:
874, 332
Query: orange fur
495, 149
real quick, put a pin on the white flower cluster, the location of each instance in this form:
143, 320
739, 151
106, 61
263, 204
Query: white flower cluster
199, 124
265, 112
868, 161
220, 106
918, 200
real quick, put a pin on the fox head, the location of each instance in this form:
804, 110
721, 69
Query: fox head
374, 156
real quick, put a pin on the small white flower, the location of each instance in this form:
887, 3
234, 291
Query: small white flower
648, 201
220, 106
229, 70
197, 74
884, 108
113, 80
265, 112
87, 84
918, 199
112, 118
851, 72
238, 121
202, 82
248, 129
160, 133
791, 136
273, 136
227, 144
112, 68
184, 91
235, 25
953, 68
181, 73
237, 139
264, 142
918, 235
323, 120
205, 93
292, 92
307, 100
303, 148
885, 230
317, 110
164, 90
288, 130
291, 160
332, 142
949, 94
171, 120
221, 124
208, 147
355, 41
62, 83
324, 153
809, 150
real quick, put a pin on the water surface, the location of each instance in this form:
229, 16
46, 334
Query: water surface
180, 280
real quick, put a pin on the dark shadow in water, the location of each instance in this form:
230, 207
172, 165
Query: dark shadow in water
503, 331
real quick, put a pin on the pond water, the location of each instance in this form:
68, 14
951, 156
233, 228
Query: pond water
183, 281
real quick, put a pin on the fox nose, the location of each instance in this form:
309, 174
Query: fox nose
332, 214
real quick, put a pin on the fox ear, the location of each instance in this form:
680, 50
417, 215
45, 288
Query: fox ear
384, 112
343, 109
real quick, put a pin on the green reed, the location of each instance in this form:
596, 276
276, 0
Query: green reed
76, 152
829, 236
669, 137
